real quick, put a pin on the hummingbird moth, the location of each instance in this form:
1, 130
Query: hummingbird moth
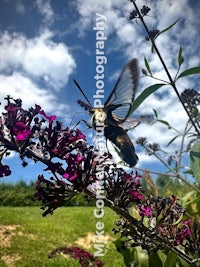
115, 112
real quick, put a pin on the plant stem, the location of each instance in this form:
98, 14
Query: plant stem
181, 146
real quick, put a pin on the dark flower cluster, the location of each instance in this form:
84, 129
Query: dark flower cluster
123, 188
191, 99
35, 135
145, 10
150, 148
52, 193
133, 235
135, 14
25, 130
161, 212
142, 141
15, 125
15, 130
79, 174
152, 34
161, 218
153, 148
85, 258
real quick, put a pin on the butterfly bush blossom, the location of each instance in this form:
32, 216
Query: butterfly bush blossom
74, 168
84, 257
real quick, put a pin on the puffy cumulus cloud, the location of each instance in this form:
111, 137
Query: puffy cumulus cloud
19, 86
113, 10
31, 68
38, 57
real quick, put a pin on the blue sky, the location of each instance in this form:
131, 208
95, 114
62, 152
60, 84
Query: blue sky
45, 44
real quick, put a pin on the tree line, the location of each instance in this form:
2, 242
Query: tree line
21, 194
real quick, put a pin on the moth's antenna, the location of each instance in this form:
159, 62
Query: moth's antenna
82, 92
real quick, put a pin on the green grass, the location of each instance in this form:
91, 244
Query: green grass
32, 237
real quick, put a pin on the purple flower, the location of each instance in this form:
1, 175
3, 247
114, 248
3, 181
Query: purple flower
50, 118
76, 136
184, 231
145, 211
70, 175
22, 131
136, 195
73, 161
85, 258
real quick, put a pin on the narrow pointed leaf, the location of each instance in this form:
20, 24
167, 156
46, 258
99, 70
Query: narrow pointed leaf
189, 172
172, 140
180, 57
147, 92
166, 29
192, 71
147, 66
155, 113
196, 111
164, 122
171, 259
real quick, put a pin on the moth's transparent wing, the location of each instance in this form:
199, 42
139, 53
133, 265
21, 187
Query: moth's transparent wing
130, 124
122, 96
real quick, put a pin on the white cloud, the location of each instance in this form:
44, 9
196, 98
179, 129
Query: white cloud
19, 86
35, 69
44, 7
39, 57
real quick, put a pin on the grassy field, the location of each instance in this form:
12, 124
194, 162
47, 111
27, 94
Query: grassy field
26, 238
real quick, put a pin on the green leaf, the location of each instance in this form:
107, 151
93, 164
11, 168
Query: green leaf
189, 198
155, 113
166, 29
169, 27
195, 161
164, 122
127, 253
196, 111
154, 259
170, 260
180, 57
189, 172
192, 71
147, 92
172, 140
147, 66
